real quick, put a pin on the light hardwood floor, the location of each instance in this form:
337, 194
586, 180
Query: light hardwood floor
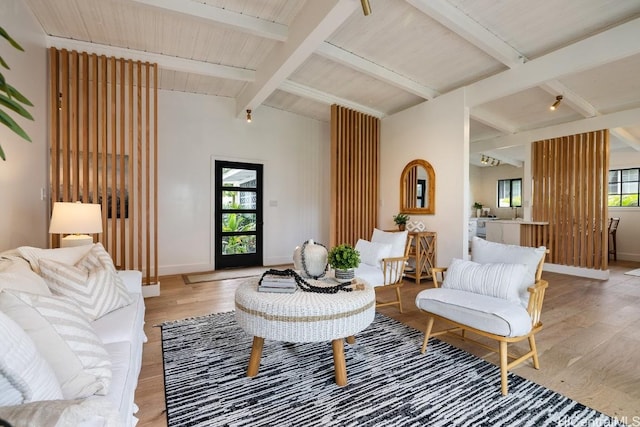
589, 347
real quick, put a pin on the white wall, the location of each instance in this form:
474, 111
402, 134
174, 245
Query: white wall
195, 130
438, 132
24, 216
628, 235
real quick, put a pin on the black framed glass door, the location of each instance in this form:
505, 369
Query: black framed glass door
238, 214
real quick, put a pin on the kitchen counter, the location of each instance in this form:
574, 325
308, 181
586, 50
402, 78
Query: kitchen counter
519, 221
515, 231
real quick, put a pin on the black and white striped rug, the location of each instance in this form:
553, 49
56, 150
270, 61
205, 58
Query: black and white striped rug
390, 383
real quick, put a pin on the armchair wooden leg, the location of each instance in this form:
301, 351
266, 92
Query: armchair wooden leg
504, 386
534, 350
427, 332
399, 299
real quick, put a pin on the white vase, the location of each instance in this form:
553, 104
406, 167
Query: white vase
310, 259
478, 213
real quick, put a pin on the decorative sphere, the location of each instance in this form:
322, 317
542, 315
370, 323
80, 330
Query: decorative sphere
310, 259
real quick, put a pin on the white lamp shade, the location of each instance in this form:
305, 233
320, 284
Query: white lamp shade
75, 218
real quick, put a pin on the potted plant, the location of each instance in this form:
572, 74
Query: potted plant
344, 258
401, 220
478, 207
11, 98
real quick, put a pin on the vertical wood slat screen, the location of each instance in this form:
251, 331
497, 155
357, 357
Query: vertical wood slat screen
355, 142
570, 178
104, 145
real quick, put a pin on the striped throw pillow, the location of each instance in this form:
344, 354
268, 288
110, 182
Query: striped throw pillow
64, 338
24, 375
93, 282
494, 280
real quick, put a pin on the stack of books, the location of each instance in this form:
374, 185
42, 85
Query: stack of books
273, 283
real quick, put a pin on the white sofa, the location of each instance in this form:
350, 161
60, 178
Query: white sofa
36, 387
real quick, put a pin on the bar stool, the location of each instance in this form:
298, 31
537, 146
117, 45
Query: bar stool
613, 227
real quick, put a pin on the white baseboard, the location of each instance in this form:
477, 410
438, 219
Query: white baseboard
151, 290
169, 270
626, 256
590, 273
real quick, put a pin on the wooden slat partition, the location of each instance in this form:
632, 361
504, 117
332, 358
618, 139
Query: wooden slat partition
104, 148
355, 145
570, 178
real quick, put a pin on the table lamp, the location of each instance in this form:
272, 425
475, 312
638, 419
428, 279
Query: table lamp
77, 220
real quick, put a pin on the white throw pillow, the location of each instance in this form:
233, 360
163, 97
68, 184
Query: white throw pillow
64, 338
397, 239
16, 274
24, 375
98, 291
483, 252
494, 280
65, 255
372, 253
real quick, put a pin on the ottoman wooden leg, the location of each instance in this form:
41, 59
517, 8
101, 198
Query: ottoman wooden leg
351, 339
339, 362
256, 354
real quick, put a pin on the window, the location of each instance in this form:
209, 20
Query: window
624, 187
510, 193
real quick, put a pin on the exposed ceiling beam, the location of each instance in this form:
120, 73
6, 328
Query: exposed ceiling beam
605, 121
164, 61
626, 137
611, 45
570, 98
492, 120
325, 98
238, 21
454, 19
374, 70
314, 23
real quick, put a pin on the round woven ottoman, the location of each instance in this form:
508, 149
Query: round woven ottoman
303, 317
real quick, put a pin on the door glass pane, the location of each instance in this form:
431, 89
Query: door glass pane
630, 175
614, 188
239, 200
236, 222
233, 245
239, 178
614, 176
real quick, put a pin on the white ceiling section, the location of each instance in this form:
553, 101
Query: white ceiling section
301, 56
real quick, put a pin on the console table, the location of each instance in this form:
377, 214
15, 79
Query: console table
423, 252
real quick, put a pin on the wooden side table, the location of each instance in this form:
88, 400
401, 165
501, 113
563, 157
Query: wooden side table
423, 252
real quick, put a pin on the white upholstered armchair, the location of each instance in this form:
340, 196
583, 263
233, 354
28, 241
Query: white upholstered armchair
382, 262
498, 295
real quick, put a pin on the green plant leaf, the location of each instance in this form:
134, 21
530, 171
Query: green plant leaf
8, 38
2, 154
6, 120
10, 103
15, 93
4, 64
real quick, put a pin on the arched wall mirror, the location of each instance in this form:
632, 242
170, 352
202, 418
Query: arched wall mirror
418, 188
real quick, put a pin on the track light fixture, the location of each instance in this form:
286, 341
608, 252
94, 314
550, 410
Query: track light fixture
489, 161
555, 105
248, 116
366, 7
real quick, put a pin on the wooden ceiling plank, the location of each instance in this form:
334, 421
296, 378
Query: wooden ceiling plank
313, 25
164, 61
458, 22
238, 21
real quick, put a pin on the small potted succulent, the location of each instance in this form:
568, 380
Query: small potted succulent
344, 259
401, 220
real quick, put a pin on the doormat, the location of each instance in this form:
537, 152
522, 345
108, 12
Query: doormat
230, 273
635, 272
